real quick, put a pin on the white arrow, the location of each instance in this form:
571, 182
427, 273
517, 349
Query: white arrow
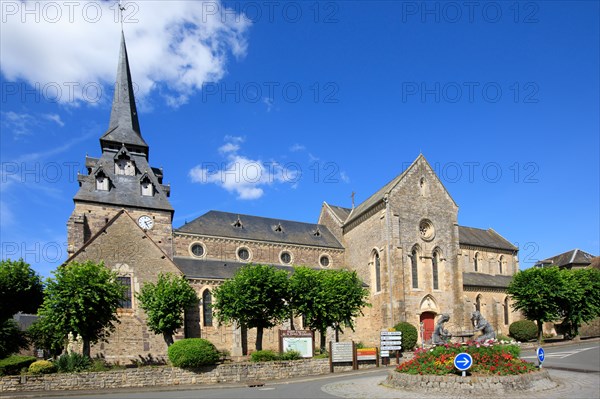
464, 361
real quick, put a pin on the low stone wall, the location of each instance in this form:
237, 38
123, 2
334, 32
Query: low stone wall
535, 381
168, 376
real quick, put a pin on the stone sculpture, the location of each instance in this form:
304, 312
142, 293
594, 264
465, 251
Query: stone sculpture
440, 335
481, 324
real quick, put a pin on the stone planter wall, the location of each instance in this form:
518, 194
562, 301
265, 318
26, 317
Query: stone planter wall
535, 381
168, 376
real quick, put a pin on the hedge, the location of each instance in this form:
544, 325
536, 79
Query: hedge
14, 364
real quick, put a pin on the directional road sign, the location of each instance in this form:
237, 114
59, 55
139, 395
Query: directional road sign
541, 355
463, 361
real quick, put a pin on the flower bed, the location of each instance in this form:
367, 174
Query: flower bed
490, 358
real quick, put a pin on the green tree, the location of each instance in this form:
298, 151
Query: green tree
21, 289
327, 298
82, 299
582, 304
254, 298
11, 338
45, 335
165, 303
539, 293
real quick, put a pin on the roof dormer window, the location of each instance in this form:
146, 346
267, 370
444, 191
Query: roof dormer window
278, 228
124, 166
317, 233
147, 186
238, 224
102, 182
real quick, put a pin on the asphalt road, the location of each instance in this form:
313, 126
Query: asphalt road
581, 356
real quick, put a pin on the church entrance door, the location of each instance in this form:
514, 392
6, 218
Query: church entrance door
428, 325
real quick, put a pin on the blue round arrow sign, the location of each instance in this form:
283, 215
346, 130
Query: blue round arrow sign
541, 355
463, 361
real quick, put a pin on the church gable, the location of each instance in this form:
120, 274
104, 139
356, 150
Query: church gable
333, 217
124, 247
420, 181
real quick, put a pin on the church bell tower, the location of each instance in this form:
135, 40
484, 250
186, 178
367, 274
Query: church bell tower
121, 178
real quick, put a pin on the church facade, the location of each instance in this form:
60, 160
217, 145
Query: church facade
404, 241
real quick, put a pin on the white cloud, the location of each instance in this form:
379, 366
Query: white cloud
6, 216
297, 147
54, 118
174, 47
20, 124
269, 103
229, 147
242, 175
344, 177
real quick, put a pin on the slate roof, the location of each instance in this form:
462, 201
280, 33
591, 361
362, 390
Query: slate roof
123, 133
221, 224
572, 257
341, 212
124, 190
485, 280
124, 126
25, 320
213, 268
483, 238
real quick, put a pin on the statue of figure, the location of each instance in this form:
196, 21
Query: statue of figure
481, 324
440, 335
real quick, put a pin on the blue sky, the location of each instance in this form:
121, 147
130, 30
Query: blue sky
310, 102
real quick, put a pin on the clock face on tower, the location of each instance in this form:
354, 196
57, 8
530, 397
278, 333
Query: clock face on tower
146, 222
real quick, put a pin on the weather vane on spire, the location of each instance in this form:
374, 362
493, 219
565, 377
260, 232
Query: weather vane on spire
121, 9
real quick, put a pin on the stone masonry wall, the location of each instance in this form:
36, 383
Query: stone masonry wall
125, 249
260, 252
420, 196
168, 376
483, 385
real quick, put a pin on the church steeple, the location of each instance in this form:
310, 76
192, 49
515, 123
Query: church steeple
124, 126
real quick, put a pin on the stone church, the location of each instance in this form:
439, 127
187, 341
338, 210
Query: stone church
404, 241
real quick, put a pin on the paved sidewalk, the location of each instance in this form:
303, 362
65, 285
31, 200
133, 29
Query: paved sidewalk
571, 385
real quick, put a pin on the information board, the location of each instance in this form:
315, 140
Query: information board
341, 352
366, 354
297, 340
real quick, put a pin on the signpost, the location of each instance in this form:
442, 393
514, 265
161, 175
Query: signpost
390, 341
541, 355
463, 361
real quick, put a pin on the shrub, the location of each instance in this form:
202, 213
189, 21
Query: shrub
409, 335
192, 353
12, 365
264, 356
42, 367
290, 355
98, 365
523, 330
72, 363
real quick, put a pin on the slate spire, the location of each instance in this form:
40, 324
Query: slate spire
124, 126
